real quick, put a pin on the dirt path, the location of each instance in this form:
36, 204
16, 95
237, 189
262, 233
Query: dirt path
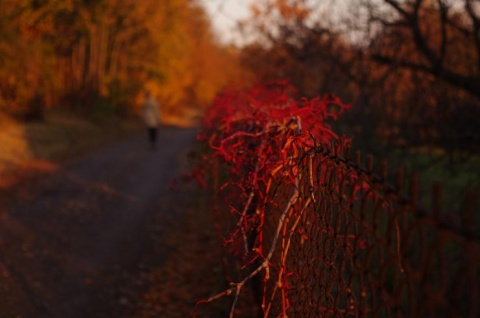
106, 237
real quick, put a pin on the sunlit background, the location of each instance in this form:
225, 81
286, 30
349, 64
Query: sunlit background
226, 15
410, 69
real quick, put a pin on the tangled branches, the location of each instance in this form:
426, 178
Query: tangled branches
321, 235
259, 135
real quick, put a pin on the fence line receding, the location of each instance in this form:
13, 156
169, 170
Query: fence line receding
324, 235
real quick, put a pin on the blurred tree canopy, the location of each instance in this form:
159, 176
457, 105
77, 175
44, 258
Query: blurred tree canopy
410, 68
102, 54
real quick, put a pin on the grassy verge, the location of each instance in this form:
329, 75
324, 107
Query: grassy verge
27, 148
455, 174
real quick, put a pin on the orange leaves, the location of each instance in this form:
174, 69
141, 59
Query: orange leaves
104, 52
288, 10
292, 10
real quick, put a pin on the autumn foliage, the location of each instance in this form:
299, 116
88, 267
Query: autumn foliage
318, 234
256, 132
99, 56
258, 135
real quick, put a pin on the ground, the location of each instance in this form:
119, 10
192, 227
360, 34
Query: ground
113, 233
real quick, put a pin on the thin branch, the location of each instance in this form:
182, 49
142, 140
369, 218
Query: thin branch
236, 287
469, 84
241, 223
402, 63
399, 9
476, 27
443, 13
386, 23
285, 253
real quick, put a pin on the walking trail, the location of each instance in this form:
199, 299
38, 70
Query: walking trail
105, 236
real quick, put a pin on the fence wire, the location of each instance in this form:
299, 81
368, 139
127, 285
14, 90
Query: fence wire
354, 245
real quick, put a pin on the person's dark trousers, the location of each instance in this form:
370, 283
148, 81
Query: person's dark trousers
152, 136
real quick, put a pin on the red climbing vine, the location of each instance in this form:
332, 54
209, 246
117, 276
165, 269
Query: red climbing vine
258, 134
321, 235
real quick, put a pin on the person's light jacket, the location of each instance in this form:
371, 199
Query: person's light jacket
150, 113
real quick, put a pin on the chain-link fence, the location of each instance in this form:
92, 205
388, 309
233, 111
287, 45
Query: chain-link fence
346, 242
318, 234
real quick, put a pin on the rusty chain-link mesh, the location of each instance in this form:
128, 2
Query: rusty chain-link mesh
352, 245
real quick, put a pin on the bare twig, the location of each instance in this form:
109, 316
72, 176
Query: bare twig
285, 254
241, 222
236, 287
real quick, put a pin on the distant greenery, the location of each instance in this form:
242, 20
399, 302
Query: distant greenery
457, 172
59, 136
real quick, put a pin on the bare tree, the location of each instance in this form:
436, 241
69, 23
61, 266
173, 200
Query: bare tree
439, 31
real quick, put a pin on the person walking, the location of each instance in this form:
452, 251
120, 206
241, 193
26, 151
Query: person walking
151, 117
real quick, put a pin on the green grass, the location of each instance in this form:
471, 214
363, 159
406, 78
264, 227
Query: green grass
456, 174
60, 136
65, 135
